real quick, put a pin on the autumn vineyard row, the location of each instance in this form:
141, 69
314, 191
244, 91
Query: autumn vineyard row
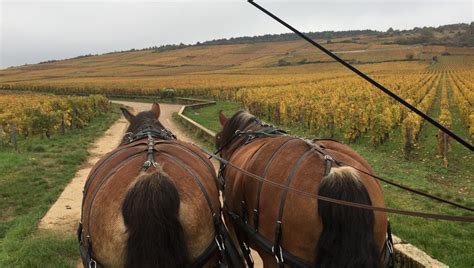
34, 115
326, 104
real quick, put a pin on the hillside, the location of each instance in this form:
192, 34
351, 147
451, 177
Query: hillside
226, 65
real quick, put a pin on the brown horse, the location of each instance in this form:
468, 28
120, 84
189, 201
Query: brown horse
286, 228
152, 202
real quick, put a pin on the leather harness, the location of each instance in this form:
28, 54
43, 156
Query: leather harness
246, 232
227, 253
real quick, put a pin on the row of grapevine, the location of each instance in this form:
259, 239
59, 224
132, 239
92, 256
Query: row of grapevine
33, 114
348, 108
465, 107
465, 88
411, 125
446, 120
219, 85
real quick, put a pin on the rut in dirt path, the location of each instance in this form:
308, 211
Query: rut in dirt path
64, 215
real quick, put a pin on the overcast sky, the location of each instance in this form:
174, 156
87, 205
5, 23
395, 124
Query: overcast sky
34, 31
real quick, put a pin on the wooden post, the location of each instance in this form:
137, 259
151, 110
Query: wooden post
1, 135
63, 126
445, 149
407, 147
13, 135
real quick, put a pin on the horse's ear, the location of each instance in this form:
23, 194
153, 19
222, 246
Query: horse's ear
128, 115
222, 118
156, 109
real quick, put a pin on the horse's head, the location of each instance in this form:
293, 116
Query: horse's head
147, 120
239, 122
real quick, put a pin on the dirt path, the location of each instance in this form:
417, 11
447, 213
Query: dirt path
64, 215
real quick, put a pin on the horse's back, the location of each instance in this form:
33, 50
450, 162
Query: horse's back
114, 175
291, 162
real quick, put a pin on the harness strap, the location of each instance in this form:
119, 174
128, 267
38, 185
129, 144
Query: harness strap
243, 239
201, 158
328, 160
110, 157
101, 183
260, 184
150, 158
162, 134
267, 131
388, 259
196, 179
247, 136
292, 260
205, 256
86, 251
268, 246
220, 177
216, 215
277, 251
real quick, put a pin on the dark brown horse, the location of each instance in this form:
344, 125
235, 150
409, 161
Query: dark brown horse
285, 227
152, 202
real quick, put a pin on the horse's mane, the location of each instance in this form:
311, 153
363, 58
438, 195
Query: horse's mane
239, 121
143, 120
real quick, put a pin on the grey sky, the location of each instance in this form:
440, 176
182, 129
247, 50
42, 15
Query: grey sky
33, 31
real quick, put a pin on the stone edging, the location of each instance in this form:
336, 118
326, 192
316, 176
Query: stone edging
203, 132
406, 255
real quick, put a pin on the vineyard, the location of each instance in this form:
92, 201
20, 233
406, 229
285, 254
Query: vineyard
349, 108
308, 91
286, 83
43, 115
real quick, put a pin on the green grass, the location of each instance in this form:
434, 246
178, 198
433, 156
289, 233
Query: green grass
449, 242
31, 180
209, 116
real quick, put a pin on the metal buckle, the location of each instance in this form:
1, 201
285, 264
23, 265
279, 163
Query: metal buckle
149, 163
278, 256
248, 251
129, 135
92, 263
390, 247
250, 138
220, 244
328, 158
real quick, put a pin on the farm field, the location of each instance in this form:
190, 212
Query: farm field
33, 176
294, 86
288, 83
42, 115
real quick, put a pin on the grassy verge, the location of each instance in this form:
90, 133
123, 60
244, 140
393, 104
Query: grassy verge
31, 180
201, 141
209, 116
449, 242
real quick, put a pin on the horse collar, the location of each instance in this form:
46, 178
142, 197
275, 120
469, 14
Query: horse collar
163, 134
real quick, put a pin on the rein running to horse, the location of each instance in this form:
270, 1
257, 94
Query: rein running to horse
270, 131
